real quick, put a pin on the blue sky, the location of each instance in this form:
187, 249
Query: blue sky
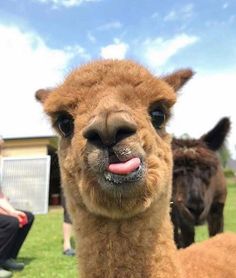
42, 40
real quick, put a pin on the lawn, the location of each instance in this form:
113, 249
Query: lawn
229, 214
42, 252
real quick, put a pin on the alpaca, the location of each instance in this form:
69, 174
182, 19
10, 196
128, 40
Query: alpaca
199, 185
116, 166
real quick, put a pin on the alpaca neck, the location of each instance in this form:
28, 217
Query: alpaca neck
141, 246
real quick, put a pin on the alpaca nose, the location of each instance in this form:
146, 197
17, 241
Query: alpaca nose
196, 208
110, 128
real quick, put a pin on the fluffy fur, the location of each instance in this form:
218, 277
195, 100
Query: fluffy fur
122, 222
199, 185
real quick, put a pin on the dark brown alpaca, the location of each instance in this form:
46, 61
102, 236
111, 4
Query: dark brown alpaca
199, 186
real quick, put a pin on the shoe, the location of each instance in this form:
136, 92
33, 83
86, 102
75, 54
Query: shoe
12, 264
69, 252
5, 274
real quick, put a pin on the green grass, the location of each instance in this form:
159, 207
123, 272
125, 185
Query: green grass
42, 251
229, 215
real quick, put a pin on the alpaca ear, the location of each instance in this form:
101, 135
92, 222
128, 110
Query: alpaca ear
178, 78
216, 136
42, 94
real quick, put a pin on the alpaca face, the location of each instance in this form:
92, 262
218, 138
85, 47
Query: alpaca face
195, 169
114, 152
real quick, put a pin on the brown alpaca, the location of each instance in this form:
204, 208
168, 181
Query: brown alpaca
116, 166
199, 185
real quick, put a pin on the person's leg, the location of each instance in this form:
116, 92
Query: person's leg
67, 230
9, 227
5, 273
21, 235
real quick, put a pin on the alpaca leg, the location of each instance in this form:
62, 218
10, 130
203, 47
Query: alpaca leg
175, 218
178, 237
187, 234
215, 219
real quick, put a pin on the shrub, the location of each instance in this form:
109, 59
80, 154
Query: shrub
229, 173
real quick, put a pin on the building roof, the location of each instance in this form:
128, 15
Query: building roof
50, 141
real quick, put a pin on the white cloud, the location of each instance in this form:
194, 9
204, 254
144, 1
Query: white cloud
215, 24
172, 15
110, 25
77, 50
117, 50
184, 12
203, 102
28, 64
65, 3
158, 51
225, 5
91, 38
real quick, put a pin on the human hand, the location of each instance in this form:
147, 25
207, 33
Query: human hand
22, 218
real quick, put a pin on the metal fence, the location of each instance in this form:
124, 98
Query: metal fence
25, 181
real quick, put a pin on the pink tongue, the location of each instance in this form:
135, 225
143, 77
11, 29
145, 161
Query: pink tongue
125, 167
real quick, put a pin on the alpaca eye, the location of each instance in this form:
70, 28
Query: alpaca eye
158, 117
65, 124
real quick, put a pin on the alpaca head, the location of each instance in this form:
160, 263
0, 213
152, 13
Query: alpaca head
195, 166
114, 152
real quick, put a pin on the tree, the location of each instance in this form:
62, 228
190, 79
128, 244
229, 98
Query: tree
224, 155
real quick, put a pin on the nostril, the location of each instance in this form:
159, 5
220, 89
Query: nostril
192, 210
200, 209
92, 136
124, 132
196, 209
